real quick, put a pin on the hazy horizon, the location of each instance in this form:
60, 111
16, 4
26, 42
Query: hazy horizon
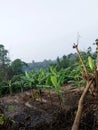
38, 30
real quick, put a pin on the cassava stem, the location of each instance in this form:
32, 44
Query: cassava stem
84, 67
80, 106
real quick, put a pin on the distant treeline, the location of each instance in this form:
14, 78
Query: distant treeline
38, 65
60, 62
9, 68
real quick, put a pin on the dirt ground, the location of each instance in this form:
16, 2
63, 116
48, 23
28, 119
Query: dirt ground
24, 113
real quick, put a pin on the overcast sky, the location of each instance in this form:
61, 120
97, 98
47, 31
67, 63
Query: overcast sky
44, 29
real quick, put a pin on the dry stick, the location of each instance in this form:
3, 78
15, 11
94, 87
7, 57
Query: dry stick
80, 106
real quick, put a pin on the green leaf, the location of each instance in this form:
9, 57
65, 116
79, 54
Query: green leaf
27, 75
2, 118
91, 63
48, 82
61, 79
52, 70
54, 81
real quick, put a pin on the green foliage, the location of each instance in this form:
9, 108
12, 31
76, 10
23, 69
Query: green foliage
41, 76
38, 65
2, 119
67, 69
17, 66
4, 63
57, 79
54, 81
91, 63
48, 79
11, 108
96, 40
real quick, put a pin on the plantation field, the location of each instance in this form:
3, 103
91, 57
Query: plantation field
24, 113
61, 96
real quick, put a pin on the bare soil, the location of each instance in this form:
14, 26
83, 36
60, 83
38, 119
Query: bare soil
24, 113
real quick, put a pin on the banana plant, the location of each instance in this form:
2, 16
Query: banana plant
57, 86
57, 81
48, 85
29, 80
41, 77
10, 87
20, 84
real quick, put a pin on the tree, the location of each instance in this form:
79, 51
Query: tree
4, 62
17, 66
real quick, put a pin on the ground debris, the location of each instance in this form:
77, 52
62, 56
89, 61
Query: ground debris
37, 115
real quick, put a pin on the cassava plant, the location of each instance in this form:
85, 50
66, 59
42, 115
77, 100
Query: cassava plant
91, 80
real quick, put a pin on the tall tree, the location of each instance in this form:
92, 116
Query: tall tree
4, 62
17, 66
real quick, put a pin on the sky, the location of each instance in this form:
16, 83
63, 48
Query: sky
44, 29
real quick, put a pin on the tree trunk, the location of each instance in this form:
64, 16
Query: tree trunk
80, 106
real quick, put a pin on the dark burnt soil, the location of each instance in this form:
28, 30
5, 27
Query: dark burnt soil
24, 113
